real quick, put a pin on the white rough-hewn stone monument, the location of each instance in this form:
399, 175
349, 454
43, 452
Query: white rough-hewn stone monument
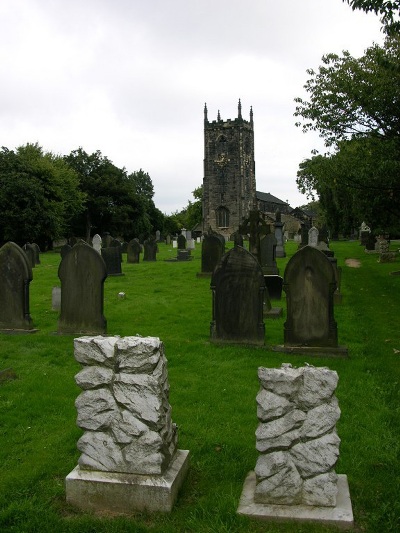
129, 458
295, 476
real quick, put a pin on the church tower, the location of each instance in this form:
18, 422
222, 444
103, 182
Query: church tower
229, 183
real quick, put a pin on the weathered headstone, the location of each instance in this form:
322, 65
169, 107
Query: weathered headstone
82, 273
298, 447
309, 283
15, 276
112, 258
37, 253
96, 242
158, 235
129, 457
181, 242
238, 290
274, 285
150, 249
212, 251
168, 239
183, 255
30, 254
268, 254
313, 235
134, 251
190, 244
107, 239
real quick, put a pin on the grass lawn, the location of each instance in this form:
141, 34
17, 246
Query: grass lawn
213, 391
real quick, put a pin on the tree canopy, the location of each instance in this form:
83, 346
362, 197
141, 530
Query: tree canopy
39, 195
388, 10
354, 104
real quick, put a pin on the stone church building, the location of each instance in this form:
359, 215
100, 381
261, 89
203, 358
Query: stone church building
229, 183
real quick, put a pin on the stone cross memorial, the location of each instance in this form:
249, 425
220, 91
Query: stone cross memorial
294, 477
238, 290
15, 277
129, 457
82, 273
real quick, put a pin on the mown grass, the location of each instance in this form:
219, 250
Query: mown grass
213, 390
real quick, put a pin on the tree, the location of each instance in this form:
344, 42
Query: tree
191, 215
111, 201
39, 195
389, 11
355, 106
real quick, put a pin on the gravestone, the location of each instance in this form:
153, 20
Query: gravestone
112, 258
56, 298
175, 243
133, 252
190, 244
115, 243
313, 235
294, 477
168, 239
107, 239
96, 242
15, 277
37, 253
370, 242
309, 283
212, 251
82, 273
238, 290
267, 254
181, 242
183, 255
255, 227
30, 254
365, 232
280, 241
64, 250
158, 235
129, 455
150, 249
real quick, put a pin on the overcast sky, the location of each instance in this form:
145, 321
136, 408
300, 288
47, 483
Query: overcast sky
130, 78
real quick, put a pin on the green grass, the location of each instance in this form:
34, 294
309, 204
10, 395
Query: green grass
213, 390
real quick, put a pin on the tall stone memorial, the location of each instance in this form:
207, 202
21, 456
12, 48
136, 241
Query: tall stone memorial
82, 273
238, 290
129, 457
15, 277
310, 283
298, 445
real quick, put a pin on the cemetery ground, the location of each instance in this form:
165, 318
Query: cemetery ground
213, 391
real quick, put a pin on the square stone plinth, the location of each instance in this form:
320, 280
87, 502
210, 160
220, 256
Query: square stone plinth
340, 516
110, 492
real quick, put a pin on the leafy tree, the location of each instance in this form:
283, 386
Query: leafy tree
39, 195
153, 218
112, 203
355, 106
388, 10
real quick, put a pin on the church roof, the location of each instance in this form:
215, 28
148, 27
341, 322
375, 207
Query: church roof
267, 197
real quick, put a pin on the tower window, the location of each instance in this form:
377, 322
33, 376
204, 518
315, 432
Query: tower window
222, 217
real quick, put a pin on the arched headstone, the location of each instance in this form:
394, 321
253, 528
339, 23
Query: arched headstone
15, 276
82, 273
238, 289
212, 251
133, 251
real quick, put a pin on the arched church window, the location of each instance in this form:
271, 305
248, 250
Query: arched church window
222, 217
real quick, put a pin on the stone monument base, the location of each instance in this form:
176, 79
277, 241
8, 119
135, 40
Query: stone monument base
340, 516
312, 351
117, 493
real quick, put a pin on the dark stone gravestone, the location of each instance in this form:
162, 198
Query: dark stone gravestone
150, 249
112, 258
37, 253
134, 250
106, 239
274, 285
212, 251
30, 254
238, 290
370, 242
309, 283
237, 239
64, 250
183, 255
267, 254
115, 243
82, 273
15, 276
181, 242
168, 240
124, 247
